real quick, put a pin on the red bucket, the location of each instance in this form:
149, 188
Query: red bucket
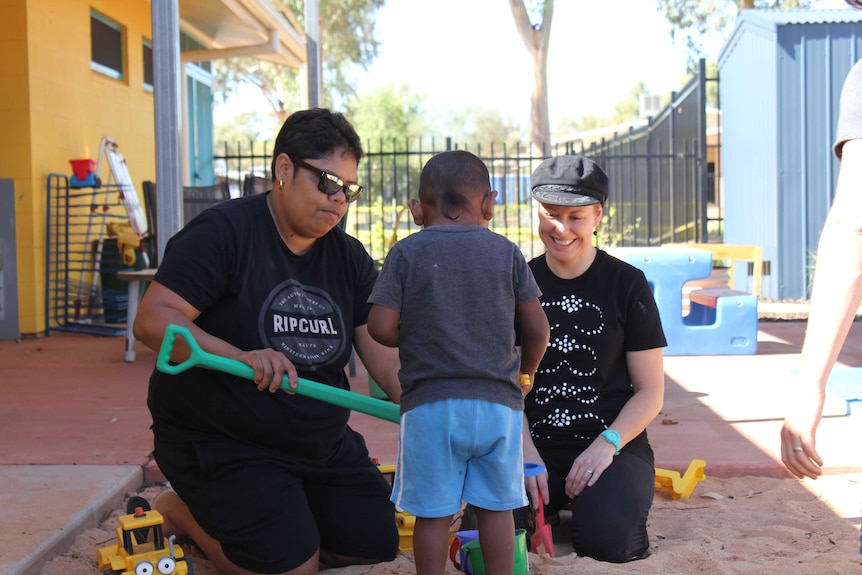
83, 168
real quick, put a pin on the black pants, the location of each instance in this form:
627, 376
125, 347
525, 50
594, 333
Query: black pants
609, 519
271, 514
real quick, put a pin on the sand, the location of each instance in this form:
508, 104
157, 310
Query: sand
727, 526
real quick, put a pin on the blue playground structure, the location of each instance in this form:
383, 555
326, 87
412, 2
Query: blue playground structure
719, 322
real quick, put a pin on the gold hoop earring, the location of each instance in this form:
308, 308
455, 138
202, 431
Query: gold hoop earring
280, 184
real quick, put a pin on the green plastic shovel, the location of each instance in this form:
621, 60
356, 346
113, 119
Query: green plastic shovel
306, 387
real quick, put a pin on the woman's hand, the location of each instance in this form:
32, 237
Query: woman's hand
536, 485
270, 367
589, 466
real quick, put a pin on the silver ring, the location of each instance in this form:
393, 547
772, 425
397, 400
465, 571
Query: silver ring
797, 449
589, 471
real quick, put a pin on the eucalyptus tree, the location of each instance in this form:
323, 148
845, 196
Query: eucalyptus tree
533, 21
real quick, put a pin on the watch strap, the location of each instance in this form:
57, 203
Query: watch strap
613, 438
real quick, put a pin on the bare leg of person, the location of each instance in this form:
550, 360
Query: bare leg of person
178, 520
431, 544
497, 534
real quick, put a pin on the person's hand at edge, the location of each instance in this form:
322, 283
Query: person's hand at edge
798, 434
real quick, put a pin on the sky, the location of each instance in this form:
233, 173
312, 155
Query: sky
469, 51
459, 52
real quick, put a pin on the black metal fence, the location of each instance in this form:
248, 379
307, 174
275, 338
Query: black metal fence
658, 174
663, 175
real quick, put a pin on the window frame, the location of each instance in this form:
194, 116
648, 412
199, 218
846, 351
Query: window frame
104, 67
145, 46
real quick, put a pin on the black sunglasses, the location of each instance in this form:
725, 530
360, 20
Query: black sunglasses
330, 184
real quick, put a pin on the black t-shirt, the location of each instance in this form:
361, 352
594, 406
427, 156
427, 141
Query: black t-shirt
583, 381
253, 292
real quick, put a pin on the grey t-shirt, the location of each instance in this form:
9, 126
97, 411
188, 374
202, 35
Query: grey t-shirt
850, 112
456, 288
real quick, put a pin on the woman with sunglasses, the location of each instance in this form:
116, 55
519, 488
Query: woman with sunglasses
267, 481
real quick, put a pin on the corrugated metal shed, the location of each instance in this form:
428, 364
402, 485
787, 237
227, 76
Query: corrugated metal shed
781, 74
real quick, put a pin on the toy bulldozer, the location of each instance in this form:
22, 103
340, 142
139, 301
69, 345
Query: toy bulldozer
141, 549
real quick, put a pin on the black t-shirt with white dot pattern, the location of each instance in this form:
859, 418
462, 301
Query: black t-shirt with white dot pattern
583, 380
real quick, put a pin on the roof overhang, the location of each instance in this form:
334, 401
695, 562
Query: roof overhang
248, 28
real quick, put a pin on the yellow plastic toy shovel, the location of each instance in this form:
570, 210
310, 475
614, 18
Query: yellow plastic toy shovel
306, 387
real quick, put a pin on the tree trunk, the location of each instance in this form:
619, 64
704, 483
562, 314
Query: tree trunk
537, 40
540, 124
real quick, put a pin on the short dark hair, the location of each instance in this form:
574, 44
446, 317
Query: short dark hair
449, 178
854, 3
315, 133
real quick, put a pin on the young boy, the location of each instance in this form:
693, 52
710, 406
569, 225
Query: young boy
451, 298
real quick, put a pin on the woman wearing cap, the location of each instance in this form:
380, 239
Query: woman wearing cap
601, 381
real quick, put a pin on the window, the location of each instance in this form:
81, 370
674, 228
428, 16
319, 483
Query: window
148, 65
106, 46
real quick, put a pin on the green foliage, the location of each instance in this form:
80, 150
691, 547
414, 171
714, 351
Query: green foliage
607, 236
711, 74
389, 116
243, 127
697, 21
478, 125
346, 39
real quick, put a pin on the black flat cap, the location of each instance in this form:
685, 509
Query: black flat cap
569, 181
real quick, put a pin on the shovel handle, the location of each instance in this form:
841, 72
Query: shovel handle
336, 396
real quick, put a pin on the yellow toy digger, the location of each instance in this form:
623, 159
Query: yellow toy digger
141, 549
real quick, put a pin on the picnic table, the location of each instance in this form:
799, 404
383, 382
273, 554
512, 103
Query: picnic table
719, 321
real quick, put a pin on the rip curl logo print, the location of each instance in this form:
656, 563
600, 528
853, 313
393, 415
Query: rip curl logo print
575, 323
303, 323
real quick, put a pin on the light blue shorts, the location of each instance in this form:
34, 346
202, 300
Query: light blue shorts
459, 449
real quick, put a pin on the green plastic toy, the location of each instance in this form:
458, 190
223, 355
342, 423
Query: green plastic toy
306, 387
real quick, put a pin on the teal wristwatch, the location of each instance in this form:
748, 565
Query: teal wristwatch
613, 438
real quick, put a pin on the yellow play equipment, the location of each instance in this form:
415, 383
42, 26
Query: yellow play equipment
680, 486
731, 253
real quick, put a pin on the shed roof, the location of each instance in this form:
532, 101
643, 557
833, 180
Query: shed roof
784, 17
768, 21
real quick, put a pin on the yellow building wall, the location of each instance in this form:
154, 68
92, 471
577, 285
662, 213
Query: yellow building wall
15, 143
54, 108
